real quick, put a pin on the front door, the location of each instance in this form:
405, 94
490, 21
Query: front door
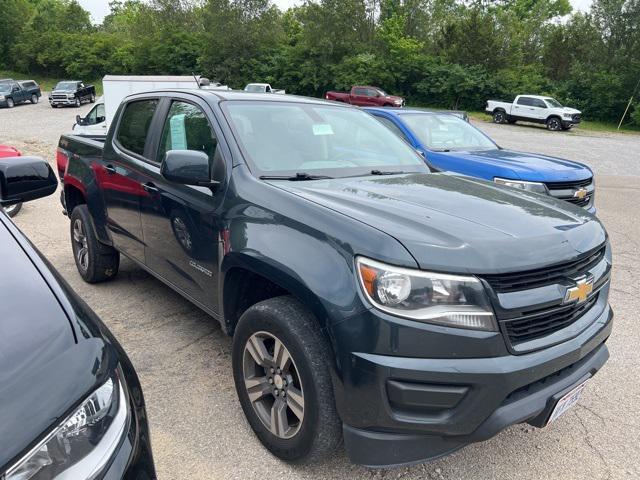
181, 223
119, 179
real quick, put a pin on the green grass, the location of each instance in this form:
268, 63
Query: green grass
586, 125
47, 83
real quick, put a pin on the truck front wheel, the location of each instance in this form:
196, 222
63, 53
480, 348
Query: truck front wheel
554, 124
95, 261
281, 373
499, 116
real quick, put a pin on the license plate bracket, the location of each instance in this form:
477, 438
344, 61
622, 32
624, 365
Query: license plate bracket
566, 402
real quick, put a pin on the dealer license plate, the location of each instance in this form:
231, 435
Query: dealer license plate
566, 402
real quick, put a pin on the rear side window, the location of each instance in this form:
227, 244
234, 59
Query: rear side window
134, 126
359, 91
525, 101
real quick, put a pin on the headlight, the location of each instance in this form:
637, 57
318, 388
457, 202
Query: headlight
450, 300
71, 95
566, 115
397, 102
83, 443
528, 186
1, 98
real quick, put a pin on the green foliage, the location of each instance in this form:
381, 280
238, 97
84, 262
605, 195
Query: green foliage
442, 53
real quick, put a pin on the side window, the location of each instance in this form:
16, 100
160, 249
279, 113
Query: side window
539, 103
96, 115
187, 128
525, 101
393, 127
359, 91
371, 92
134, 125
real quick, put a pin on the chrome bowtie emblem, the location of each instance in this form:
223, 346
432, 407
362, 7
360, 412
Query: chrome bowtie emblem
580, 193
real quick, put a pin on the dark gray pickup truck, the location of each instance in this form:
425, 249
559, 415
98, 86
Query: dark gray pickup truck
369, 299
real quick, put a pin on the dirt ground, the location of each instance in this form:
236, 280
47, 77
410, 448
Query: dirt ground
183, 359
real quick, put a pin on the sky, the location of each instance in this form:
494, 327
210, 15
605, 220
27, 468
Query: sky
100, 8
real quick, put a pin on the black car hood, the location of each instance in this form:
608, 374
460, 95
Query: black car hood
460, 224
43, 371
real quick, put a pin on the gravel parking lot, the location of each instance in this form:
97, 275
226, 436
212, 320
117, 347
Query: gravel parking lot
183, 359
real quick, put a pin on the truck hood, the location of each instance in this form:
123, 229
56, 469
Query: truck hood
517, 165
572, 111
456, 224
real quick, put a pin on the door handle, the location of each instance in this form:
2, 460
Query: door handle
150, 187
111, 170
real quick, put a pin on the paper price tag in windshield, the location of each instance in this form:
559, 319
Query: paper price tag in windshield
322, 129
178, 133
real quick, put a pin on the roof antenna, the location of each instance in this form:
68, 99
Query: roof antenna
195, 77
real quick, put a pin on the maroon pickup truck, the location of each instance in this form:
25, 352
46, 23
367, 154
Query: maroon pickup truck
366, 97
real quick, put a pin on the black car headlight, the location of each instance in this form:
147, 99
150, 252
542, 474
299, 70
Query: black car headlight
449, 300
83, 443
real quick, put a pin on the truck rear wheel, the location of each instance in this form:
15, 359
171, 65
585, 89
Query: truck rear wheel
281, 373
95, 261
499, 116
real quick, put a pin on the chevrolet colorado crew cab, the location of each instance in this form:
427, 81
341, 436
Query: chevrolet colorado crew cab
536, 109
72, 93
408, 312
366, 97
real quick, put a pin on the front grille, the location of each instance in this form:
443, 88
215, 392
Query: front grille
545, 322
59, 97
571, 184
510, 282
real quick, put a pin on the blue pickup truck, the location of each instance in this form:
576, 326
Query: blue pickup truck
451, 144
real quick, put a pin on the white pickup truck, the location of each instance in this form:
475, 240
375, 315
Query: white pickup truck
534, 108
262, 88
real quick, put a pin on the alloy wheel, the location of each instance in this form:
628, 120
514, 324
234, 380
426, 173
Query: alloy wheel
554, 124
81, 244
273, 384
498, 117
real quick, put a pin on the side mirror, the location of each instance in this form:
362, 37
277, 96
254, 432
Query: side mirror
25, 178
190, 167
79, 120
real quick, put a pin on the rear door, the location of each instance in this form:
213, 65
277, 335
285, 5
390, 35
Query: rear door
182, 224
359, 96
119, 177
523, 107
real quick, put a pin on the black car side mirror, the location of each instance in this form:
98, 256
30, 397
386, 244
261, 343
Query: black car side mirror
25, 178
190, 167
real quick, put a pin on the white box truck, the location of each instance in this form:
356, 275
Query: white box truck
116, 87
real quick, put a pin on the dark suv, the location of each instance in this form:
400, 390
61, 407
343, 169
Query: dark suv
410, 312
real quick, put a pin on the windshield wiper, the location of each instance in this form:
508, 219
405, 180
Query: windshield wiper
298, 177
383, 172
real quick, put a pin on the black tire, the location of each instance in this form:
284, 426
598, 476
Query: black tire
554, 124
10, 103
99, 262
77, 103
34, 99
319, 432
13, 210
499, 116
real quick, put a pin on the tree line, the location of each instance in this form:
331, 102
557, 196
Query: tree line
442, 53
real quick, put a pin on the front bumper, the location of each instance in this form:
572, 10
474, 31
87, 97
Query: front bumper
400, 410
60, 101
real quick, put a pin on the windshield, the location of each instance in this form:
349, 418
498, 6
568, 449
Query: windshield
255, 88
446, 132
5, 87
66, 86
553, 102
382, 93
290, 138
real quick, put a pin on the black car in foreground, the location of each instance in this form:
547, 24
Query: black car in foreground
407, 311
71, 405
